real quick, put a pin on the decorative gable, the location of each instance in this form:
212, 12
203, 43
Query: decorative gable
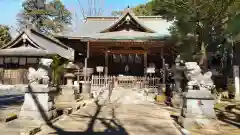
128, 22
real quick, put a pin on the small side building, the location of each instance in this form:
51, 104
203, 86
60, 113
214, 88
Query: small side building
14, 66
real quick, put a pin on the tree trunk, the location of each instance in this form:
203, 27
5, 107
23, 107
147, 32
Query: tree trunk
204, 60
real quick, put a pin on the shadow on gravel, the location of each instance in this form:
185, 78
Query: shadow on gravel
8, 100
229, 117
112, 125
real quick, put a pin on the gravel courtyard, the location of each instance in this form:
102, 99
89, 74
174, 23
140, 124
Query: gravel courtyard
129, 112
10, 101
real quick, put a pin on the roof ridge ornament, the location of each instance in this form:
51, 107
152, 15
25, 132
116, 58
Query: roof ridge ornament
24, 37
127, 16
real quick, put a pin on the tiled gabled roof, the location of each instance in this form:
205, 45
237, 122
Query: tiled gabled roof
40, 41
97, 24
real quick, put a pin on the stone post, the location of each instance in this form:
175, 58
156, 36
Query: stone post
236, 81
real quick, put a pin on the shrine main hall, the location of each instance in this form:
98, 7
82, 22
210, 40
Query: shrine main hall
125, 45
128, 45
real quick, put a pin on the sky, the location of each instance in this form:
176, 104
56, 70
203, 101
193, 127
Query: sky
10, 8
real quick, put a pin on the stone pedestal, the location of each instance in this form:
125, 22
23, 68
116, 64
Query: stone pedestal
197, 109
68, 98
177, 99
38, 104
86, 89
67, 94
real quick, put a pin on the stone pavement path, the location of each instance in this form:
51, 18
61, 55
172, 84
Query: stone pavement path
115, 118
121, 119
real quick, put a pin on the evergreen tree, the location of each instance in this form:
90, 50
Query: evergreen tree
46, 17
5, 36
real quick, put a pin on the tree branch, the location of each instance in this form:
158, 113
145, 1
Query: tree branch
81, 9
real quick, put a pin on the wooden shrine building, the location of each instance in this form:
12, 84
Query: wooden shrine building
25, 51
129, 42
127, 45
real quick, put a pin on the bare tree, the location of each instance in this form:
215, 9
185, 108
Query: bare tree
93, 8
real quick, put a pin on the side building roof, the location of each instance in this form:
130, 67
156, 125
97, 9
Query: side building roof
40, 41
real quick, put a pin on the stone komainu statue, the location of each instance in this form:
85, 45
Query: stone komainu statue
196, 79
41, 75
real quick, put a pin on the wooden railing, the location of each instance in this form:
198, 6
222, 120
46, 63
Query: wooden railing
125, 81
100, 81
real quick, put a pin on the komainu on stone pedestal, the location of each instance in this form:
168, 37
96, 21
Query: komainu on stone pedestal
198, 102
38, 105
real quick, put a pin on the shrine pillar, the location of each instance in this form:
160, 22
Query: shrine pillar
163, 65
145, 63
86, 62
106, 63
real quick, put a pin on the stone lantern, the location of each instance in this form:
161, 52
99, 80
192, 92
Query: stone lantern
178, 74
69, 75
69, 95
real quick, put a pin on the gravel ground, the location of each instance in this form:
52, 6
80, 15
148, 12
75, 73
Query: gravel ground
128, 113
128, 96
11, 99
